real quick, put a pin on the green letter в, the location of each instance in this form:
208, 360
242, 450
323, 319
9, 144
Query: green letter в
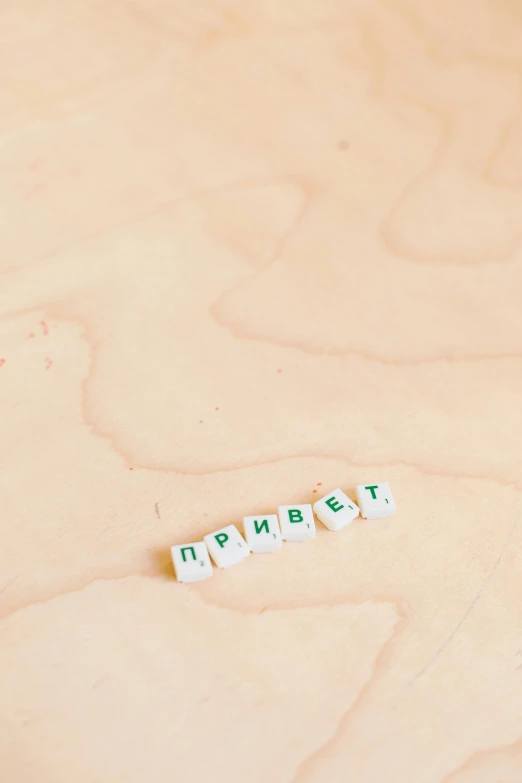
295, 515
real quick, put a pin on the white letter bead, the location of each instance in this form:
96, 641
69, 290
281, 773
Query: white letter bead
191, 562
375, 500
262, 533
297, 522
336, 510
227, 546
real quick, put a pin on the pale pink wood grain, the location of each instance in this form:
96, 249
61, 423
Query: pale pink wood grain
252, 251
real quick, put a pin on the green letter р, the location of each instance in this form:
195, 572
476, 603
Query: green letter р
222, 539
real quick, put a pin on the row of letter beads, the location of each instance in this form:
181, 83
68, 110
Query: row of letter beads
266, 533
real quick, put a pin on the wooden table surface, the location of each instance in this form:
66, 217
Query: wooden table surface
252, 251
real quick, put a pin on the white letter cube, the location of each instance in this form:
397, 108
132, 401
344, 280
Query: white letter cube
262, 533
336, 510
227, 546
191, 562
297, 522
375, 500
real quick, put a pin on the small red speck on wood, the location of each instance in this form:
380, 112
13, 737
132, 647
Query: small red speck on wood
319, 483
45, 328
314, 491
48, 363
2, 362
217, 409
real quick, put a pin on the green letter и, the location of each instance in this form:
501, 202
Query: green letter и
259, 528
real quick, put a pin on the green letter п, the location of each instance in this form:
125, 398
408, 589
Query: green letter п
259, 528
333, 503
372, 490
295, 515
190, 549
221, 538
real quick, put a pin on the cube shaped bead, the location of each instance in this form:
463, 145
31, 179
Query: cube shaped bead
227, 546
191, 562
336, 510
262, 533
297, 522
375, 500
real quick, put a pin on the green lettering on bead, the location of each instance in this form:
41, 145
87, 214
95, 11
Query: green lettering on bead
372, 490
264, 524
187, 549
334, 504
221, 538
295, 515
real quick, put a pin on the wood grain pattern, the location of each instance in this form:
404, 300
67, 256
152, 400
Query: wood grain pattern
248, 247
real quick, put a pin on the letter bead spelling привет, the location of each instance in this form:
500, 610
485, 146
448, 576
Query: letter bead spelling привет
266, 532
